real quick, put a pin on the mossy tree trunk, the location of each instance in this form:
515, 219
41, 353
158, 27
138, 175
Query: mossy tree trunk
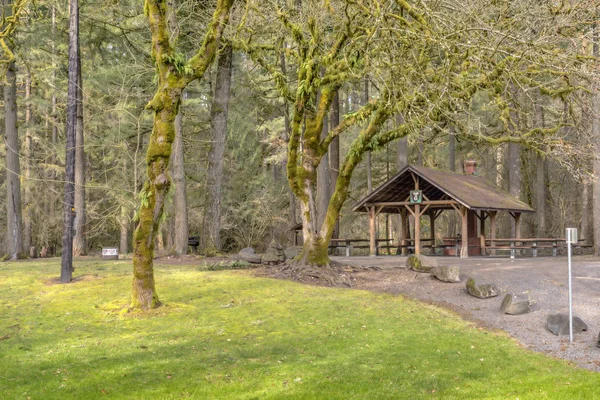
174, 74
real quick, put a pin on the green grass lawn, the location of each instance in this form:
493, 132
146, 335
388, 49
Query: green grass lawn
231, 335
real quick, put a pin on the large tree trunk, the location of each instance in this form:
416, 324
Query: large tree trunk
585, 212
334, 155
14, 233
596, 139
369, 161
178, 240
66, 271
514, 180
79, 241
165, 106
540, 199
28, 217
287, 132
452, 167
402, 160
180, 244
214, 181
499, 165
323, 192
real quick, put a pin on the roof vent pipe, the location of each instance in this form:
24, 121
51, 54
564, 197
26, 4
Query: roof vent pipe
470, 167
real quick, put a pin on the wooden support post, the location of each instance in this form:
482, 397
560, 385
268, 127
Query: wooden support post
403, 230
482, 223
517, 225
464, 252
492, 230
432, 216
417, 229
372, 239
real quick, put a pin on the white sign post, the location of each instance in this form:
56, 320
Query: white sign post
571, 237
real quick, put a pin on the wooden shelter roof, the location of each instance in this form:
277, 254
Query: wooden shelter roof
472, 191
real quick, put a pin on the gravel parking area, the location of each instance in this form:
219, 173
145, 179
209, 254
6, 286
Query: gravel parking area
543, 278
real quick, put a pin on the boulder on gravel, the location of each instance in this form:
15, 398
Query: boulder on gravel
274, 254
247, 250
447, 274
421, 263
292, 252
482, 291
515, 304
559, 324
250, 257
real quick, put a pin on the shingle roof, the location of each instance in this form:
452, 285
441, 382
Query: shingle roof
472, 191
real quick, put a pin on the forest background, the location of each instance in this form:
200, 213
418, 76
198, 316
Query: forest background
527, 110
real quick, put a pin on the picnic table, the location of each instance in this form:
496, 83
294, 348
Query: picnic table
349, 244
517, 244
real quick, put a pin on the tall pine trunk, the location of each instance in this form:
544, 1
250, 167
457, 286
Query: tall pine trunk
79, 241
66, 272
180, 243
14, 234
596, 139
323, 192
179, 238
369, 161
28, 217
334, 155
214, 181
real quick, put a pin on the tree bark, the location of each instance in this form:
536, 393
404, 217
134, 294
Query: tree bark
369, 162
514, 180
214, 182
165, 106
14, 233
540, 199
585, 212
286, 138
323, 193
66, 272
334, 155
124, 227
28, 217
79, 241
452, 167
178, 237
181, 233
402, 160
596, 139
421, 148
499, 166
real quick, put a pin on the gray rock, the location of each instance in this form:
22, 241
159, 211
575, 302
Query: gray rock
447, 274
292, 252
249, 257
515, 305
274, 254
421, 263
482, 291
559, 324
247, 250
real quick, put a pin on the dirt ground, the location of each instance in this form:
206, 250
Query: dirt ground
545, 279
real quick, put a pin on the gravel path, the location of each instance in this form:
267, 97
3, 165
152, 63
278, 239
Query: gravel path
543, 278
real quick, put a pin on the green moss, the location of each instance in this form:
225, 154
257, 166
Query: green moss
471, 286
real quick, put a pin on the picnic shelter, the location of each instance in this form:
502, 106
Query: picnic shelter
421, 191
